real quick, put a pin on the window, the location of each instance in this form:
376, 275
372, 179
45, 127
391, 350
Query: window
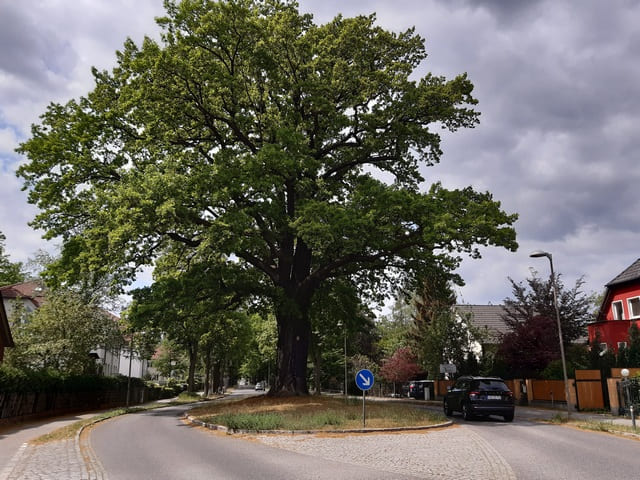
622, 345
603, 348
489, 385
618, 311
634, 307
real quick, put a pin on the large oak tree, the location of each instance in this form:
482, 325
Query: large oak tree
250, 131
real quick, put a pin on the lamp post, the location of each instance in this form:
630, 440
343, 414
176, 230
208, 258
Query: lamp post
344, 330
625, 382
129, 376
538, 254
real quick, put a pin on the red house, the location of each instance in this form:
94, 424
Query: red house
620, 307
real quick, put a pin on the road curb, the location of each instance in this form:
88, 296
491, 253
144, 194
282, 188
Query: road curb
92, 469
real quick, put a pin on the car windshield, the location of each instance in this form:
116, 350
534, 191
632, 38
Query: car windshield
485, 385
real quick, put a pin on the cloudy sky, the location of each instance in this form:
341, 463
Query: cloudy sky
558, 83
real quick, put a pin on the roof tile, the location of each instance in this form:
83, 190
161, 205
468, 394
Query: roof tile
629, 274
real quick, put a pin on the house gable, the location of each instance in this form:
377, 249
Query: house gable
620, 308
31, 294
489, 317
5, 332
630, 274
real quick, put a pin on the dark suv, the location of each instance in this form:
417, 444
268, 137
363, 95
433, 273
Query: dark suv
474, 396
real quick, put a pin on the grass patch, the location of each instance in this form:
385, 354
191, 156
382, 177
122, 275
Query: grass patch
248, 421
559, 418
594, 425
312, 413
186, 397
609, 427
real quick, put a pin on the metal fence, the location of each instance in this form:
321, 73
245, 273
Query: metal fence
630, 393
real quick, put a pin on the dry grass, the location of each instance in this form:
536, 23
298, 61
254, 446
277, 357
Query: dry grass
312, 413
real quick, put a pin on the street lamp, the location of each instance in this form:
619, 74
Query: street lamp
346, 393
538, 254
625, 383
344, 330
129, 376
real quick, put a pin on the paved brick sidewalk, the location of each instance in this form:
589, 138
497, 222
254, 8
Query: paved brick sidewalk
53, 460
70, 459
432, 455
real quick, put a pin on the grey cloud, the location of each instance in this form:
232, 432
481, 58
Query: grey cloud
32, 51
559, 96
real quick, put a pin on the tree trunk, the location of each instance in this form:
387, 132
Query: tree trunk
207, 370
316, 354
193, 358
217, 376
294, 332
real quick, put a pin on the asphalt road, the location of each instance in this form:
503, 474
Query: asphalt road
542, 451
158, 445
537, 451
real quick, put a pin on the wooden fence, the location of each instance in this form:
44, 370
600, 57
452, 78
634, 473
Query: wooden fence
588, 391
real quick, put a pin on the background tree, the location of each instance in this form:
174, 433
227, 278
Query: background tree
189, 299
529, 347
260, 357
395, 328
533, 342
61, 334
10, 272
249, 131
439, 333
400, 367
535, 298
170, 360
450, 338
629, 356
224, 347
337, 315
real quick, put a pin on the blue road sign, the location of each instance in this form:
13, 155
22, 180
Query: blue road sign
364, 379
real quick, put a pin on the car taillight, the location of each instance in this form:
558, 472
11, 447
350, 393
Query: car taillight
509, 393
473, 395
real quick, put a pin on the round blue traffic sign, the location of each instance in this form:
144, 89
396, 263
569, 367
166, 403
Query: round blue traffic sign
364, 379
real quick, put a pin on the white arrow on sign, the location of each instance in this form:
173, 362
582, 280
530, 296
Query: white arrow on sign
366, 381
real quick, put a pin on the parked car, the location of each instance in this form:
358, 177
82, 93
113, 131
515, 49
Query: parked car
480, 396
417, 389
259, 386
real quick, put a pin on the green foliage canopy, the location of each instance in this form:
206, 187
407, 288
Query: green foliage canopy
251, 131
61, 334
10, 272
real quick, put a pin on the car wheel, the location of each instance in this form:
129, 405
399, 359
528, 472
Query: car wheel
447, 409
466, 412
508, 418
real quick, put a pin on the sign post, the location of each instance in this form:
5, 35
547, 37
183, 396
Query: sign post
447, 368
364, 381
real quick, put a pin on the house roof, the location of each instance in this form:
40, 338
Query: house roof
487, 316
631, 273
5, 332
32, 290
